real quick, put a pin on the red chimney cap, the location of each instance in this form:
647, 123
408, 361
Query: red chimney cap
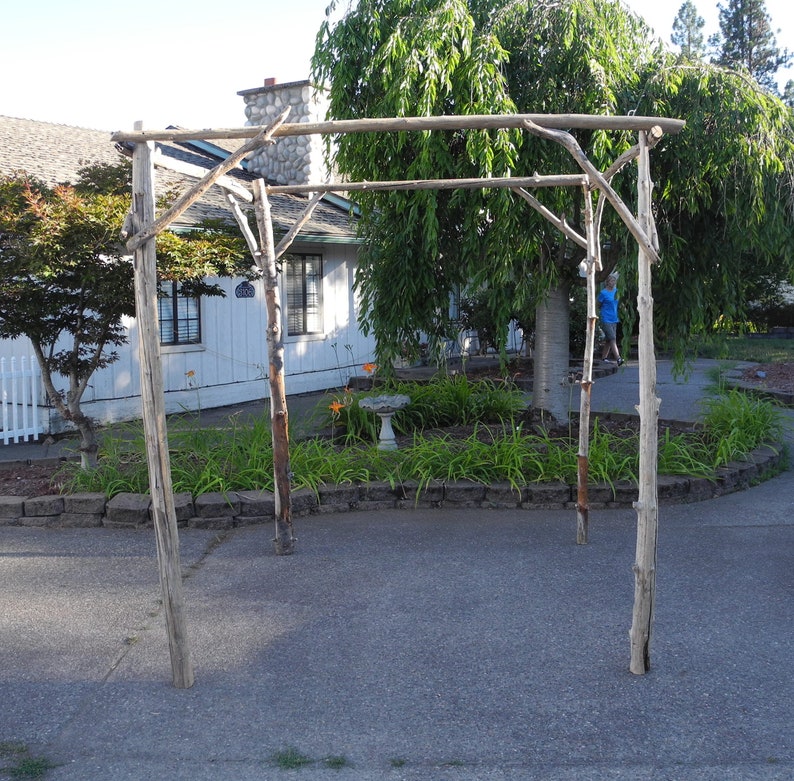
270, 81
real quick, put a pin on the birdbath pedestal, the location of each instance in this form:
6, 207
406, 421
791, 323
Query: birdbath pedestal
384, 407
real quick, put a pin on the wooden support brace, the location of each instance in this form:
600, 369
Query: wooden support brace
569, 142
558, 222
195, 192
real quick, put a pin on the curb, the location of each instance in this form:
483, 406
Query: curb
246, 508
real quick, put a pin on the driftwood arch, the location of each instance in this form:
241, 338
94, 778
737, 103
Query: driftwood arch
142, 227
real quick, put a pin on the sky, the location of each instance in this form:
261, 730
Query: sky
104, 65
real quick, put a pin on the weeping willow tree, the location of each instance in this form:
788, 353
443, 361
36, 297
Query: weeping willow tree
572, 57
393, 58
724, 195
724, 198
388, 58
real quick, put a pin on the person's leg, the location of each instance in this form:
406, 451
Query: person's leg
616, 350
610, 342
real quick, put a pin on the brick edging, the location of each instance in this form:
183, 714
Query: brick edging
245, 508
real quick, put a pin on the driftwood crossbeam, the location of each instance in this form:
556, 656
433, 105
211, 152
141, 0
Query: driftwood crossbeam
495, 183
412, 124
142, 227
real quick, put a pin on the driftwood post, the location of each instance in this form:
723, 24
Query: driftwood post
284, 542
163, 513
647, 502
583, 456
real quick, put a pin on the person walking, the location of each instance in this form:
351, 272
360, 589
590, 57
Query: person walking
608, 308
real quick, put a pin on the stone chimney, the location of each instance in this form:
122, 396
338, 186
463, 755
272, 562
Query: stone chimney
292, 159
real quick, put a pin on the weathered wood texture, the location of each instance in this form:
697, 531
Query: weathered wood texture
284, 542
583, 456
197, 172
598, 180
546, 126
398, 124
160, 487
647, 500
490, 183
557, 222
201, 187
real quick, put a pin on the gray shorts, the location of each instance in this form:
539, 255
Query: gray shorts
610, 331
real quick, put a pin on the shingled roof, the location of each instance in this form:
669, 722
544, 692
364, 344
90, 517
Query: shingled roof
54, 153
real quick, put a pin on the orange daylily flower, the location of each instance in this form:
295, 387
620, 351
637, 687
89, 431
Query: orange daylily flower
369, 367
335, 406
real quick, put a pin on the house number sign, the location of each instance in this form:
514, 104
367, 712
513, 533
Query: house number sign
244, 290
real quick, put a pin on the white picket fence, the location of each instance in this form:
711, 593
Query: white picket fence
19, 389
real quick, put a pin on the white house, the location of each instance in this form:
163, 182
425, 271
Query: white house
214, 351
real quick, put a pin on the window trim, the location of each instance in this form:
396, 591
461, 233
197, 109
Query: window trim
173, 297
289, 311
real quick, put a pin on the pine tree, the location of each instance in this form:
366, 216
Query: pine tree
688, 31
747, 41
788, 93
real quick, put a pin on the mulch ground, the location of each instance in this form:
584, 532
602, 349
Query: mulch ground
34, 479
771, 376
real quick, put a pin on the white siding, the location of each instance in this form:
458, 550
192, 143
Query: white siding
230, 365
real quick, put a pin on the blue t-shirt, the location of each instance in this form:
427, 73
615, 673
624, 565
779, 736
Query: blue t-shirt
608, 301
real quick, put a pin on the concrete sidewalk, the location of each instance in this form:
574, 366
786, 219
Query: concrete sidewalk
410, 645
443, 644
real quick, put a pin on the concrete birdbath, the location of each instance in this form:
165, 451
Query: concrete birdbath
384, 407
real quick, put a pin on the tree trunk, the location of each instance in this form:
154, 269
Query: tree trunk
88, 441
551, 395
69, 410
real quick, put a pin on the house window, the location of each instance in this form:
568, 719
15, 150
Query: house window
304, 294
180, 315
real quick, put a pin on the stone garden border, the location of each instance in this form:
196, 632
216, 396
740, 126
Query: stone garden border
246, 508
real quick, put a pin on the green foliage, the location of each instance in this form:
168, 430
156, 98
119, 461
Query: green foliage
336, 762
241, 458
63, 272
291, 759
23, 764
212, 249
66, 280
477, 314
397, 58
444, 401
737, 422
723, 186
723, 203
393, 58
